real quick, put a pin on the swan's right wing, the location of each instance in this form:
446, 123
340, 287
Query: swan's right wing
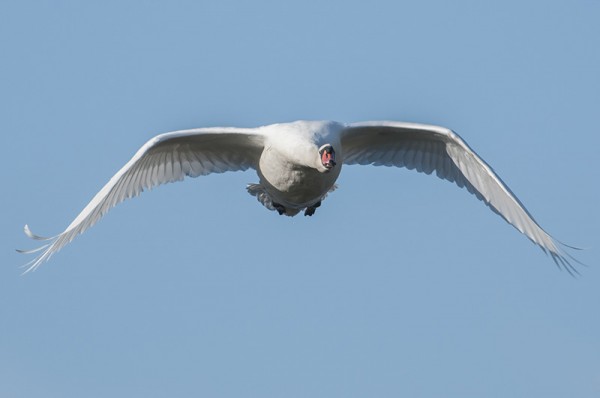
165, 158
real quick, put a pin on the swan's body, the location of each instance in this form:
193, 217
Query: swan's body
290, 170
298, 164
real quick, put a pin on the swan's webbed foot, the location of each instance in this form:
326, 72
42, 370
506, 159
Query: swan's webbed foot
311, 209
280, 208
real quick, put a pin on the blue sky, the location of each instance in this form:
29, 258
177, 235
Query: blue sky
194, 289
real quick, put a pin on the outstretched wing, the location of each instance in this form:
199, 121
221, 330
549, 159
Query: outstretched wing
426, 149
165, 158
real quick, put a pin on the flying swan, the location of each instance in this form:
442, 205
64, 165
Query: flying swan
298, 164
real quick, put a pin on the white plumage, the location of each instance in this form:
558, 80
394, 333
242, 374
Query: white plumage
298, 164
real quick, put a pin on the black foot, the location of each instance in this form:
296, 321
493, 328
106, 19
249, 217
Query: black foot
311, 210
280, 209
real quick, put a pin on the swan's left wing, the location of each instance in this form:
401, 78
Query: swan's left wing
426, 149
165, 158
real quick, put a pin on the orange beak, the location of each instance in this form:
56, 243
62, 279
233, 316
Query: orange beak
328, 159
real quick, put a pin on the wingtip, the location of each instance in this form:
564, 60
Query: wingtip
561, 259
30, 251
572, 247
28, 231
40, 258
30, 266
31, 235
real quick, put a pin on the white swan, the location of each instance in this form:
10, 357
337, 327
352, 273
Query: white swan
297, 165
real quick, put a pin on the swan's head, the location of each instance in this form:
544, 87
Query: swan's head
327, 156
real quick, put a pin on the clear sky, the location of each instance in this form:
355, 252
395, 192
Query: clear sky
400, 285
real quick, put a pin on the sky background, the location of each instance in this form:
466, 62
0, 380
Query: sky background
400, 285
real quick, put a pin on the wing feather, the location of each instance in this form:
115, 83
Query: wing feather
429, 148
165, 158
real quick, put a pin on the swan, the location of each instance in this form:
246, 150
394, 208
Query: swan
298, 164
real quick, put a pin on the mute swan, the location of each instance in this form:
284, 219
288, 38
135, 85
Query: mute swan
298, 164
